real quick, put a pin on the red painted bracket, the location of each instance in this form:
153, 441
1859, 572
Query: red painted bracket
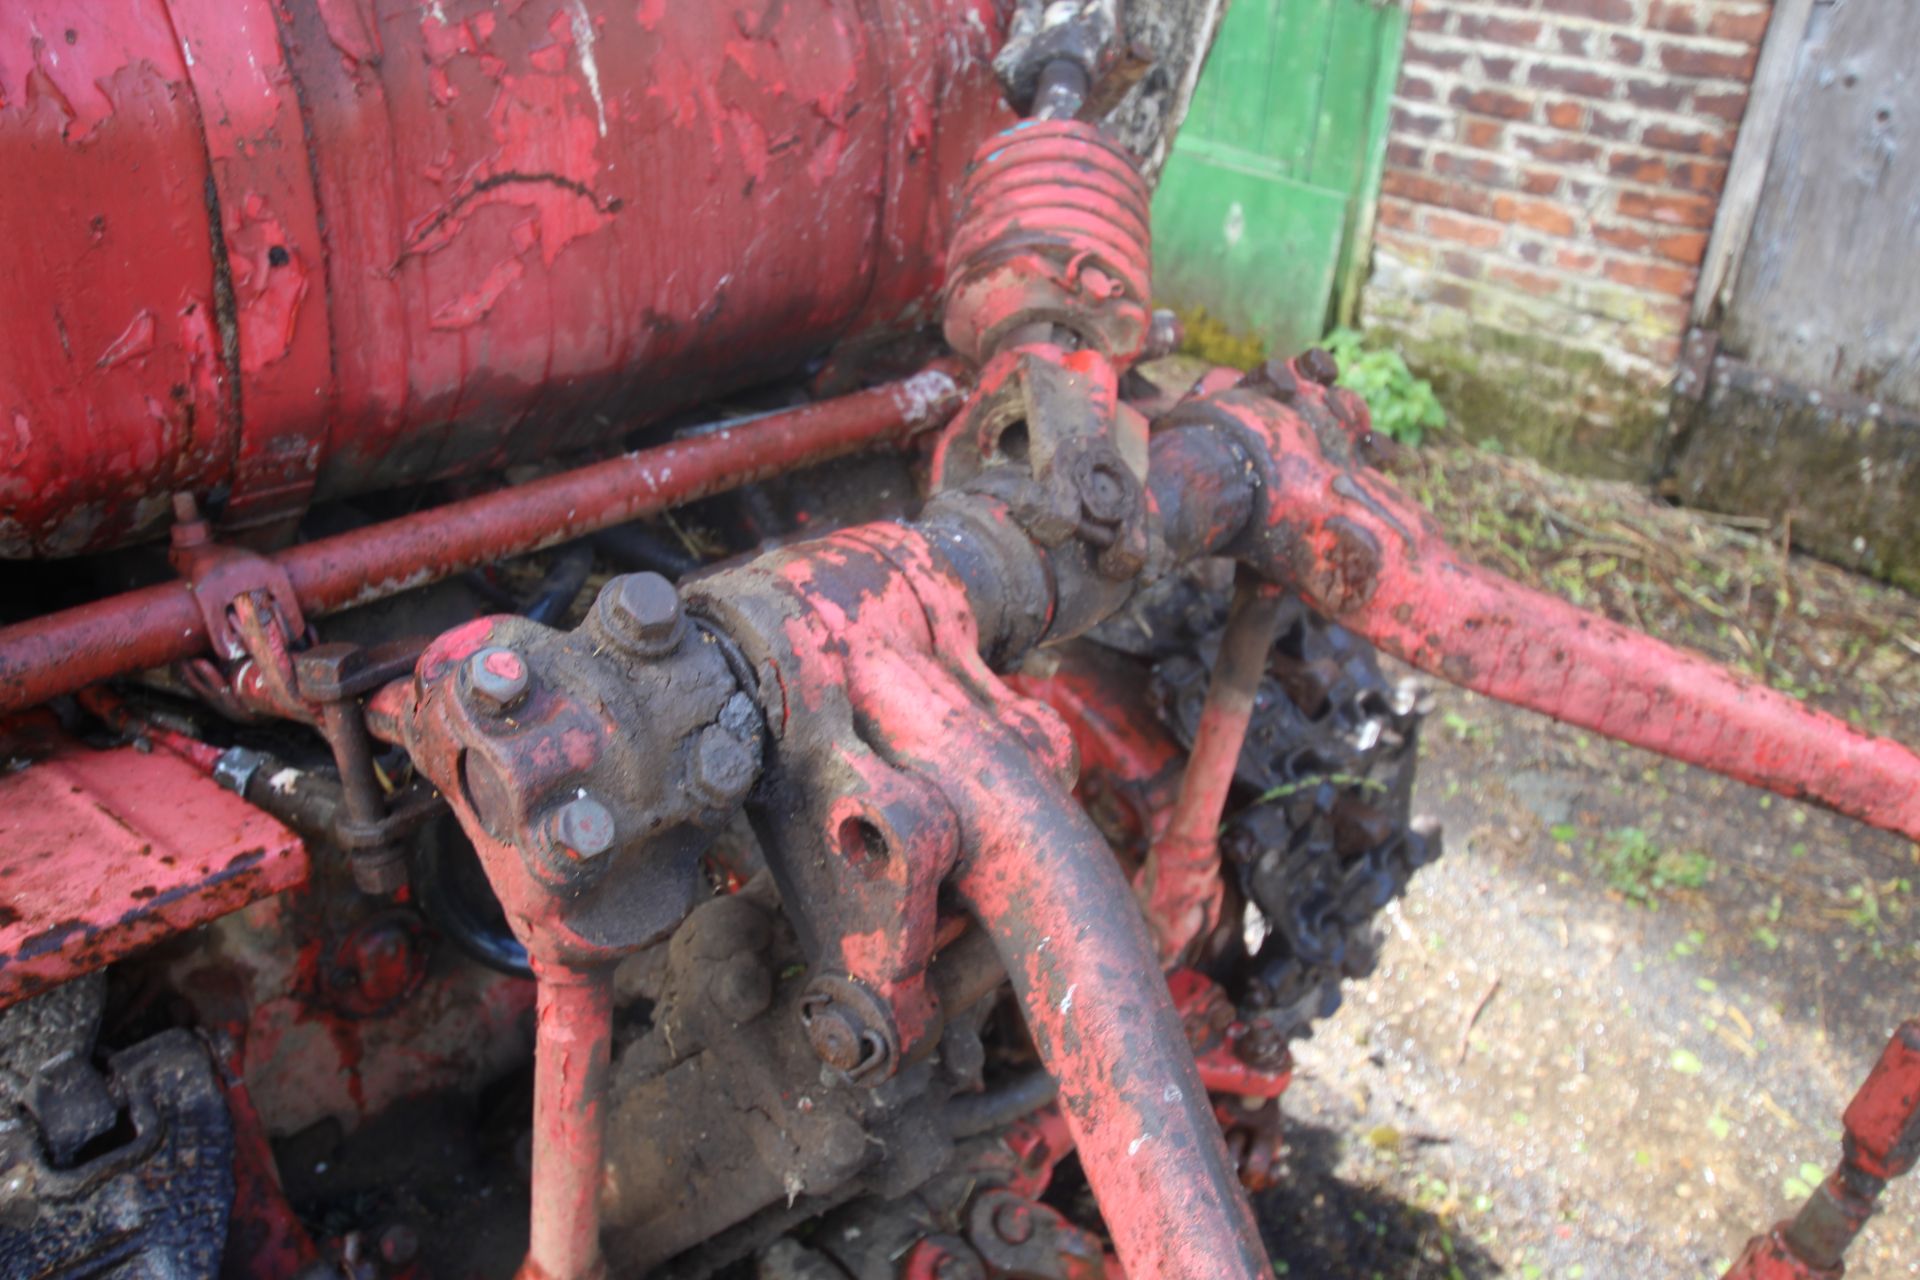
104, 852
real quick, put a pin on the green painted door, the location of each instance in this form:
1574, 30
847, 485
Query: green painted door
1264, 211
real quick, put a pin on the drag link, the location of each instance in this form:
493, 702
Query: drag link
60, 653
1366, 556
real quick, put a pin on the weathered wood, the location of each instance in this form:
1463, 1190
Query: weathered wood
1767, 101
1826, 287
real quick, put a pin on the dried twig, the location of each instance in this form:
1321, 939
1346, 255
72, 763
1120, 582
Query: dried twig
1466, 1029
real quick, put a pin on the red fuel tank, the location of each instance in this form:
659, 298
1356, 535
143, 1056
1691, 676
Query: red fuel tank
270, 251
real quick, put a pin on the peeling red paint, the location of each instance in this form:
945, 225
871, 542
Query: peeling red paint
105, 852
135, 340
531, 211
1360, 551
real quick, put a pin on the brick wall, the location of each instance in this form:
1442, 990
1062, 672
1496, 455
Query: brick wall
1553, 170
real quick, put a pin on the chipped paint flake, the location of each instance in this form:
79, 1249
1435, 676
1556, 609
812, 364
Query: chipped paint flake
922, 396
583, 41
135, 340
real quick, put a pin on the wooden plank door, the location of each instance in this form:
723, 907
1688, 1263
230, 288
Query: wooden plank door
1265, 208
1805, 374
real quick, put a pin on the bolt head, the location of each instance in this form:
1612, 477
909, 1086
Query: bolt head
835, 1034
581, 827
1013, 1222
1263, 1048
1318, 364
642, 611
498, 678
722, 767
1104, 493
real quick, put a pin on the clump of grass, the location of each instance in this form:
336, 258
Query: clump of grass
1641, 871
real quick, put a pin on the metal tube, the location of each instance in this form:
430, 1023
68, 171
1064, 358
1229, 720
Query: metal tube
971, 1114
572, 1046
66, 651
1363, 554
1477, 629
1062, 90
1058, 907
1182, 873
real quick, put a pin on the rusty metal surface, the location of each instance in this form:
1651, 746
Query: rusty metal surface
61, 652
1357, 550
551, 222
1882, 1142
590, 769
1181, 882
873, 624
1052, 230
508, 267
572, 1045
104, 852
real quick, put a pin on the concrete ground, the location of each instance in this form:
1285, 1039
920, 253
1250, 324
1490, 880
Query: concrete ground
1615, 1026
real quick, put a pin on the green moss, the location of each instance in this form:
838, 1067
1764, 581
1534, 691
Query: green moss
1215, 342
1533, 396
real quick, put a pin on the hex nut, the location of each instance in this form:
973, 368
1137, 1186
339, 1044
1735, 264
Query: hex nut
1013, 1222
1105, 491
581, 828
497, 678
1318, 364
722, 768
641, 611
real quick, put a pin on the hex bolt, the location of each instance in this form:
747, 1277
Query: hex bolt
582, 828
1274, 380
497, 677
1103, 493
1013, 1222
722, 768
642, 612
1318, 364
834, 1031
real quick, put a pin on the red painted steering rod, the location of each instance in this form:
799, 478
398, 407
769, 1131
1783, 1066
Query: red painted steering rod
1279, 487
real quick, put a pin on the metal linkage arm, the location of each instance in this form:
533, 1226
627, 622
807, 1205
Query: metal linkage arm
1322, 523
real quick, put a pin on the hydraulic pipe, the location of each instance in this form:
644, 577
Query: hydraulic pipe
1363, 554
66, 651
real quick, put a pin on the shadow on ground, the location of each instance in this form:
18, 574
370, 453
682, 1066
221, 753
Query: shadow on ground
1324, 1225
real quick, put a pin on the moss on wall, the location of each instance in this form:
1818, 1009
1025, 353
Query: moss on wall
1567, 407
1570, 408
